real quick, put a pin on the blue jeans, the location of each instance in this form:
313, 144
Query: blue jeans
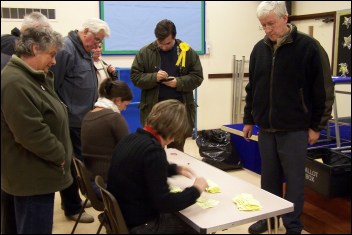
34, 214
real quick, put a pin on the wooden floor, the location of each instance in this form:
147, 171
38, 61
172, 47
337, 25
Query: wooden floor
324, 215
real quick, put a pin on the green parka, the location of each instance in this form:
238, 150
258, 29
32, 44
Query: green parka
143, 75
35, 137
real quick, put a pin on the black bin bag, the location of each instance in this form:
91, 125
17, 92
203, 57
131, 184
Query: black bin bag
216, 149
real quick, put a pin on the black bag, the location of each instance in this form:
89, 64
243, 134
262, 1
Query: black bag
216, 149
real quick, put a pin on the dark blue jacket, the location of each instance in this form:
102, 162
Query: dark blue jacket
75, 79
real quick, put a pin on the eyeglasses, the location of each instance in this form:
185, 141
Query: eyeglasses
269, 26
96, 39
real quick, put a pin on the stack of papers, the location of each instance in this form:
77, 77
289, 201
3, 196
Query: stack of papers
246, 202
206, 202
212, 187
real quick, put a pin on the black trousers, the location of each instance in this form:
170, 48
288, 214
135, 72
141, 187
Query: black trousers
70, 199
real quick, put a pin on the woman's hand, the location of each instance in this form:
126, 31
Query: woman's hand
185, 171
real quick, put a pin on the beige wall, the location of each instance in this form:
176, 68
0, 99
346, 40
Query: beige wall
231, 29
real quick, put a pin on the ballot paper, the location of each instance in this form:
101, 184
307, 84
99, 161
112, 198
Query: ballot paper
246, 202
319, 160
206, 203
175, 189
212, 187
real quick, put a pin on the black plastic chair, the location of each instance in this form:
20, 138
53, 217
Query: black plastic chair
84, 179
112, 211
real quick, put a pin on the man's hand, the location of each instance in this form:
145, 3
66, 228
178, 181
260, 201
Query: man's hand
247, 131
313, 136
161, 75
171, 83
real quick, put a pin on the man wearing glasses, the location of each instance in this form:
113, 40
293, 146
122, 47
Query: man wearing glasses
76, 85
289, 96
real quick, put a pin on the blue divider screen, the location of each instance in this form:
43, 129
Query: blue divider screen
131, 114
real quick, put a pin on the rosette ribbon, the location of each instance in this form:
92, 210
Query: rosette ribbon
182, 57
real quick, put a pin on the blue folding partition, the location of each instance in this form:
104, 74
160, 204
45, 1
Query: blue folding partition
131, 114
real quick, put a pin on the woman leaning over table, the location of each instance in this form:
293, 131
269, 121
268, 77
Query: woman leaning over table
35, 144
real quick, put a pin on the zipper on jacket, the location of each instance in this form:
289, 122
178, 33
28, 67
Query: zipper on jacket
272, 78
271, 91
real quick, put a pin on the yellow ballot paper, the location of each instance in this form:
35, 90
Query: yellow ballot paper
206, 202
246, 202
319, 160
175, 189
212, 187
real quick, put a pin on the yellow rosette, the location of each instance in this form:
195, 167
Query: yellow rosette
182, 57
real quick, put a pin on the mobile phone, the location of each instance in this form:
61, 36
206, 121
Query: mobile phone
167, 79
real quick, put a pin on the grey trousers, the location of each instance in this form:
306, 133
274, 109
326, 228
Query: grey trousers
283, 157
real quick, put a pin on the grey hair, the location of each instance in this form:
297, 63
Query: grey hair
95, 25
169, 119
278, 7
45, 38
34, 20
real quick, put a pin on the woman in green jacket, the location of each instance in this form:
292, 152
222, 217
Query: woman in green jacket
36, 148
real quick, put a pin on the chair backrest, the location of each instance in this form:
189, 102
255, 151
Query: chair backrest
112, 209
84, 179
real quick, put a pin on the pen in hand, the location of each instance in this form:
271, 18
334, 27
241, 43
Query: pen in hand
161, 74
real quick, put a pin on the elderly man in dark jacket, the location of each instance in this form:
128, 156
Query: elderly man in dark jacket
76, 85
289, 96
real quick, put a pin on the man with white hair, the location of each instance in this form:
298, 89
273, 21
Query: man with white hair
76, 85
289, 96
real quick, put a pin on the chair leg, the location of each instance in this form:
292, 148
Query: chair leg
79, 216
100, 226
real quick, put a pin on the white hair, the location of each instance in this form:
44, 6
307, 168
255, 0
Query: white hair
35, 20
95, 25
278, 7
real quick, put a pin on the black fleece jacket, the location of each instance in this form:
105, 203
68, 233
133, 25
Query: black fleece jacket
289, 88
138, 179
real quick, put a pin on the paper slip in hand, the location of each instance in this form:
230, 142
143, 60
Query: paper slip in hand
206, 203
175, 189
212, 187
246, 202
